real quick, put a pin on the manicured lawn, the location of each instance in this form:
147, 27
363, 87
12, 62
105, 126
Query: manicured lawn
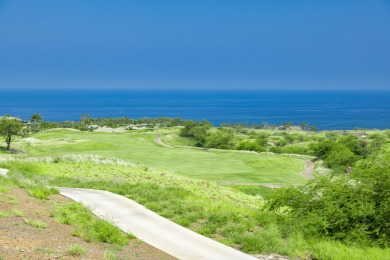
138, 147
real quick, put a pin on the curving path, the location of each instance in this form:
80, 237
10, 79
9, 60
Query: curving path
307, 172
146, 225
158, 141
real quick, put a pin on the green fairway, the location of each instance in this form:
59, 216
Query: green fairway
225, 167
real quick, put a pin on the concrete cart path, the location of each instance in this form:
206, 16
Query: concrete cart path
146, 225
3, 172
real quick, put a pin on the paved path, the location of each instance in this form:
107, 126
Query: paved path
155, 230
146, 225
158, 140
3, 172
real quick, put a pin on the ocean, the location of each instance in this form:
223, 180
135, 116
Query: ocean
328, 110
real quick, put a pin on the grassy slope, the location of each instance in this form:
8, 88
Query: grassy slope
218, 212
223, 214
29, 226
218, 166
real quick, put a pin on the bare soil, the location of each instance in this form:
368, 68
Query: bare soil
307, 172
19, 240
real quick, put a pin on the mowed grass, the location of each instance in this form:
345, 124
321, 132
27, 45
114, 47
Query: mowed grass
225, 167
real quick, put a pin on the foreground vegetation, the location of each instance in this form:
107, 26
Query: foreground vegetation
226, 215
342, 213
54, 228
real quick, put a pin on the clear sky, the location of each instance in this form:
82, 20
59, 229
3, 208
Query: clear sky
195, 44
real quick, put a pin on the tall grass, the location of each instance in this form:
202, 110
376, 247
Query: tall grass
76, 250
88, 226
224, 214
41, 192
35, 223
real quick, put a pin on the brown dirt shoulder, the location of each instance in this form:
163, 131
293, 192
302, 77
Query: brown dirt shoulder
18, 240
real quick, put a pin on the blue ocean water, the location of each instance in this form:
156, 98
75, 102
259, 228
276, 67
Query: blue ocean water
328, 110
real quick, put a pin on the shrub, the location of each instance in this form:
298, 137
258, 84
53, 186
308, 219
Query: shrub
250, 146
275, 149
353, 209
295, 149
221, 139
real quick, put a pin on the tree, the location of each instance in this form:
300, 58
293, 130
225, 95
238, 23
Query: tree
8, 128
287, 125
221, 139
197, 131
304, 125
86, 119
35, 119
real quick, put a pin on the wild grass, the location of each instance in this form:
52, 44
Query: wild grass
209, 209
109, 255
44, 250
17, 212
332, 250
4, 189
41, 192
254, 190
88, 226
224, 214
76, 250
12, 200
108, 233
4, 214
35, 223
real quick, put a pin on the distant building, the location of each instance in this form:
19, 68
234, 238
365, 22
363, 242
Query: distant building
294, 127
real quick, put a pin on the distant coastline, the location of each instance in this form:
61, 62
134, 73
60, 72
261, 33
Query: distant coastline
328, 110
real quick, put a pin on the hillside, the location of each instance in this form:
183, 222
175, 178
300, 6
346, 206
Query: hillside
190, 195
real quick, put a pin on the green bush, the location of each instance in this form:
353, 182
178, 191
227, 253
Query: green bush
336, 155
250, 146
275, 149
295, 149
353, 209
220, 139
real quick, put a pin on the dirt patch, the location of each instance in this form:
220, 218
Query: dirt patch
19, 240
307, 172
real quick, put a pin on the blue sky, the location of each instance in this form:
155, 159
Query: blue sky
195, 44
